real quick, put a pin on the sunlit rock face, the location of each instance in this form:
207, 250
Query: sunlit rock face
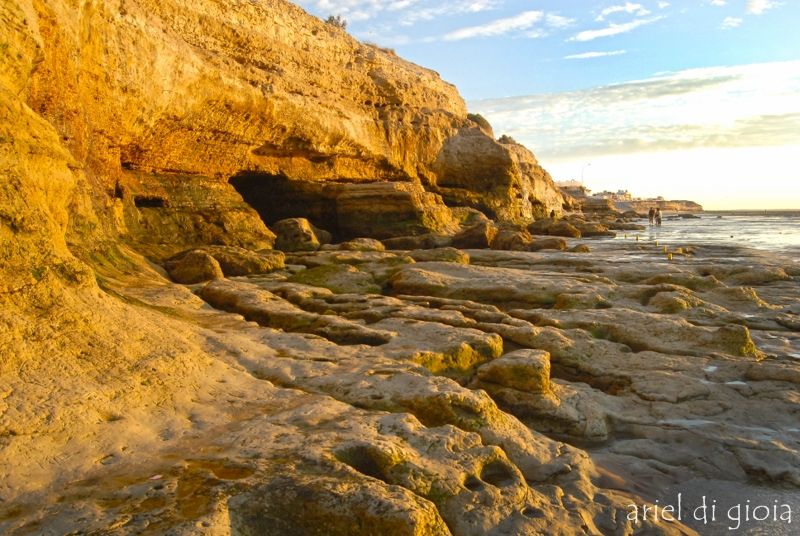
362, 383
162, 103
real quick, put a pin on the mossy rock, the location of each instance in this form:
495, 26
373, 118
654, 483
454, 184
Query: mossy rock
333, 505
383, 270
458, 364
236, 261
446, 254
523, 370
736, 340
295, 234
362, 244
471, 412
194, 267
338, 278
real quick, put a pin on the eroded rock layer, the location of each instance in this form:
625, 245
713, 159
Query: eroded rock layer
162, 103
363, 390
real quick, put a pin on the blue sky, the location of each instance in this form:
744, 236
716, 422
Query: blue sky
686, 99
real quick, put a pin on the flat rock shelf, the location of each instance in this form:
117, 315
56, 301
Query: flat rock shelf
516, 393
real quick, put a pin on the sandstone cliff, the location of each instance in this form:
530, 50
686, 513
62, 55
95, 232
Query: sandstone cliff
161, 104
642, 206
131, 126
602, 205
359, 387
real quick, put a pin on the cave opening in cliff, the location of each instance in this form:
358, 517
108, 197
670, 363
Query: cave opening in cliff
149, 201
276, 197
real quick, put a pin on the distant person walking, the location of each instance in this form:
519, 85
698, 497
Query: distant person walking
651, 215
658, 217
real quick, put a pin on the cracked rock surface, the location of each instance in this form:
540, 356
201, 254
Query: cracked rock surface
435, 405
409, 386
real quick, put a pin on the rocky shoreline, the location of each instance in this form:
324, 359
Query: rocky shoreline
677, 207
257, 277
437, 391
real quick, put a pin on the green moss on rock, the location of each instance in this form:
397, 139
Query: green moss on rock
338, 278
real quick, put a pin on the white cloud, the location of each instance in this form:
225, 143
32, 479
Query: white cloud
521, 21
663, 5
353, 10
558, 22
628, 7
700, 133
358, 16
446, 9
747, 105
613, 29
731, 22
387, 21
400, 5
757, 7
590, 55
718, 3
407, 12
536, 33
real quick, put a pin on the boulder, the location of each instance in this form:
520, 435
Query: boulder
594, 230
466, 216
502, 180
548, 243
293, 504
383, 209
361, 244
389, 209
549, 226
620, 225
338, 278
440, 254
323, 236
425, 241
512, 239
565, 229
235, 261
540, 227
295, 234
194, 267
477, 236
523, 370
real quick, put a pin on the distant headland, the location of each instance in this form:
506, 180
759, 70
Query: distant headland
581, 198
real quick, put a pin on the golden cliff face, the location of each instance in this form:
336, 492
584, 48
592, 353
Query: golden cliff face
161, 103
215, 87
360, 390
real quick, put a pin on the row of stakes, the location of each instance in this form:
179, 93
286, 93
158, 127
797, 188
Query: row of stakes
666, 251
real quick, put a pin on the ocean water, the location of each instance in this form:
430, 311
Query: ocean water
777, 231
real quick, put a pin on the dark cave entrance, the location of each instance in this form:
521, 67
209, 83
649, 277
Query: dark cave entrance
276, 197
145, 201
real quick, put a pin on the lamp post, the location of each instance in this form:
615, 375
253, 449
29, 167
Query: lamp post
583, 170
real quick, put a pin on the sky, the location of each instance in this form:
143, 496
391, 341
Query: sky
687, 99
